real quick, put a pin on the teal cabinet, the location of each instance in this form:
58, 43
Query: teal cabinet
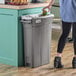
8, 37
11, 35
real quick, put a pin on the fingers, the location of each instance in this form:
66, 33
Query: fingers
46, 8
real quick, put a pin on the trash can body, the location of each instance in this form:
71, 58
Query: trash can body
37, 41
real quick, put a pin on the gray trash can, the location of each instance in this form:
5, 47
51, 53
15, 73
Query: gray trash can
37, 39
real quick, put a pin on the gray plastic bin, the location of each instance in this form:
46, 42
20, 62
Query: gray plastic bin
37, 39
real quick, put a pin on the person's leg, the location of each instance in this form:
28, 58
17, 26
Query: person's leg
66, 27
65, 32
70, 37
74, 39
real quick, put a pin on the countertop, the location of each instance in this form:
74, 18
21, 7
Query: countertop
29, 5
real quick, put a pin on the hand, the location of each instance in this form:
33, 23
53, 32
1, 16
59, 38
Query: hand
47, 7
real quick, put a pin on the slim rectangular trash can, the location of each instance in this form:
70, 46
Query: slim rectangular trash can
37, 39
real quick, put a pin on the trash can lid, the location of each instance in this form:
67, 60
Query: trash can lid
26, 17
34, 16
29, 17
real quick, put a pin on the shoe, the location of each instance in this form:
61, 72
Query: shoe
74, 62
57, 62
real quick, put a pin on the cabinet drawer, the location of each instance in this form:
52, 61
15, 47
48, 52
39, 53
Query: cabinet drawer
30, 11
8, 12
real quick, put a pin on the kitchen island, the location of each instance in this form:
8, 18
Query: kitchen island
11, 33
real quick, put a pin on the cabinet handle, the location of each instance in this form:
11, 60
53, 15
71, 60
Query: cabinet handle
6, 14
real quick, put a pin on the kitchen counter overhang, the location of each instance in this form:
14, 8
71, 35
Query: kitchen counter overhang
29, 5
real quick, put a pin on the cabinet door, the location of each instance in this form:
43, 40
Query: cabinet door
8, 38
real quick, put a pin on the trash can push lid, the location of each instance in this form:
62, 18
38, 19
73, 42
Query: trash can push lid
29, 17
34, 16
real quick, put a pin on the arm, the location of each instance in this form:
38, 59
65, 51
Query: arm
51, 3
